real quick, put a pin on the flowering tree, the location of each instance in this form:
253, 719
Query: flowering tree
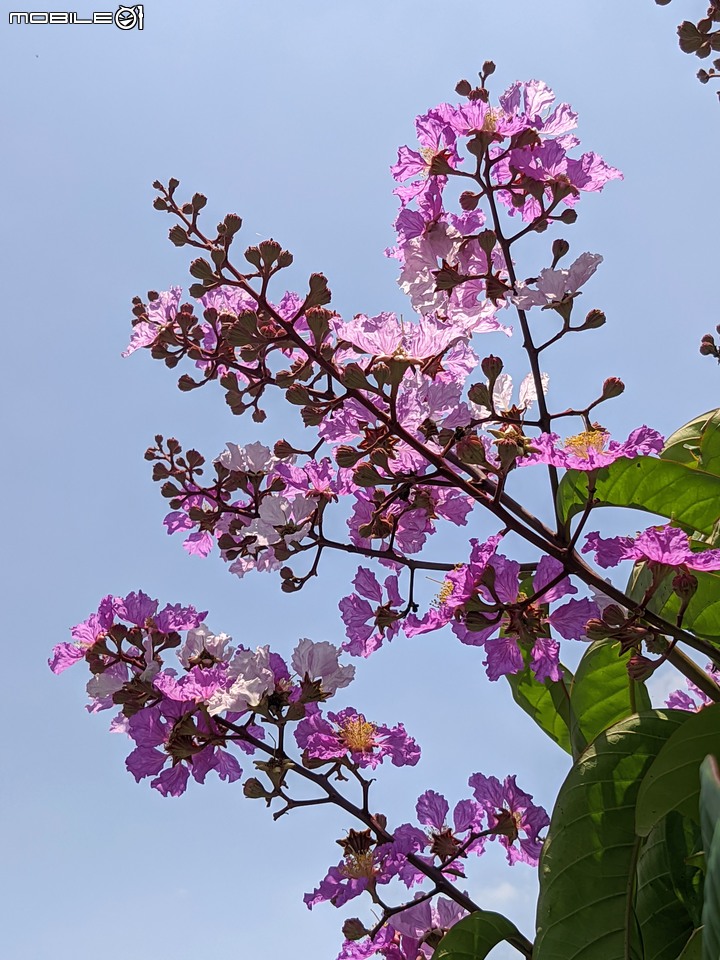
410, 431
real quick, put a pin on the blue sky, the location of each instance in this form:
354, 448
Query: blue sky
290, 115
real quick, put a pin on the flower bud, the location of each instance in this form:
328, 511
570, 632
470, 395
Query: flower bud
685, 584
594, 319
612, 387
596, 630
614, 615
283, 449
354, 929
560, 248
639, 667
471, 449
707, 349
492, 367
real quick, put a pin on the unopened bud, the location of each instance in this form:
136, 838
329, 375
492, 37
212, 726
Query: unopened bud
596, 630
614, 615
354, 929
639, 667
612, 387
508, 451
492, 368
594, 319
684, 585
559, 248
471, 449
707, 349
283, 449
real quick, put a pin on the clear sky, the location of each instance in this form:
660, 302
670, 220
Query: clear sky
290, 114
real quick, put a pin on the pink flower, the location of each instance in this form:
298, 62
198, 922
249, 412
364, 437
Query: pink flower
349, 733
667, 546
512, 814
592, 449
366, 626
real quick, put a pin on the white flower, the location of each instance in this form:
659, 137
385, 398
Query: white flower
253, 678
502, 394
201, 639
320, 661
553, 286
252, 458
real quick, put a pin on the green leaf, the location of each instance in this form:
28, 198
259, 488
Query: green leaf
681, 493
693, 948
672, 782
668, 900
602, 693
697, 443
710, 823
587, 868
547, 702
474, 937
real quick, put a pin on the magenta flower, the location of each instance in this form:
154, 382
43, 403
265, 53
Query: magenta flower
152, 729
160, 315
504, 654
366, 626
444, 841
348, 732
362, 864
84, 635
458, 587
667, 546
512, 815
592, 449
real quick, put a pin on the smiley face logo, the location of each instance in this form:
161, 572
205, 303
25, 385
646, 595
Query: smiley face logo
128, 17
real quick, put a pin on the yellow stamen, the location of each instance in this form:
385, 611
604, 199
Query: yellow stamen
490, 122
582, 443
358, 735
359, 865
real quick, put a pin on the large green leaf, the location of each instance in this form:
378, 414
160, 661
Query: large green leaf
672, 782
710, 823
587, 869
693, 948
668, 899
678, 491
697, 443
474, 937
547, 702
602, 693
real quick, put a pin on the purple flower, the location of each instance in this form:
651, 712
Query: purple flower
666, 546
160, 315
171, 732
84, 635
174, 617
348, 732
513, 817
680, 700
445, 841
592, 449
366, 625
364, 863
459, 585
